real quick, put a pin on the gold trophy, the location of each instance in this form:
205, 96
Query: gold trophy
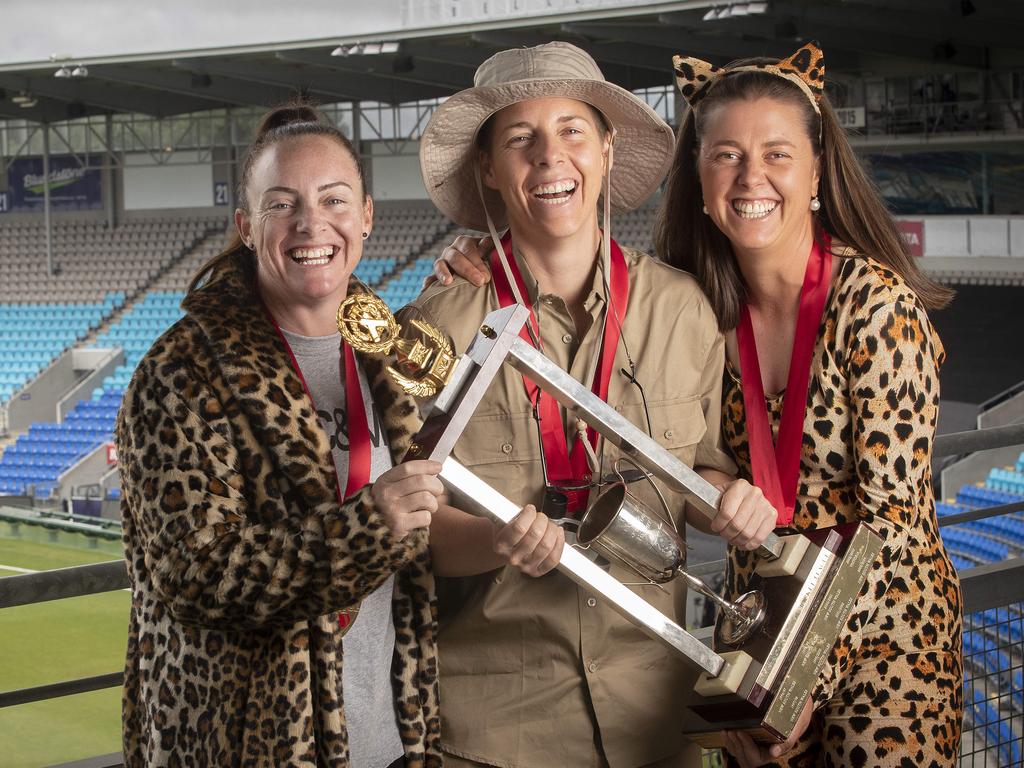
367, 324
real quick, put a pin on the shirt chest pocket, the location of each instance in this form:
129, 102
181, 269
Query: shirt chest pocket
501, 449
677, 424
497, 438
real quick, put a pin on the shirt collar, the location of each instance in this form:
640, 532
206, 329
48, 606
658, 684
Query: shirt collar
595, 297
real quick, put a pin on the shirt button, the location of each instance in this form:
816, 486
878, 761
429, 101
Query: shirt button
669, 434
591, 602
567, 338
592, 666
506, 448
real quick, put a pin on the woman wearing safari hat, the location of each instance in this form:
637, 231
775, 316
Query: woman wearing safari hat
535, 671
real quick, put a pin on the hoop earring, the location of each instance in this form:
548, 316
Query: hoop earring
815, 204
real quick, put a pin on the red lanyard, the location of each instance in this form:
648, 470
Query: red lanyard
358, 428
567, 468
775, 468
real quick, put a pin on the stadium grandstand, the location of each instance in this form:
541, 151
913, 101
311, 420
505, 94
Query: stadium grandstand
117, 177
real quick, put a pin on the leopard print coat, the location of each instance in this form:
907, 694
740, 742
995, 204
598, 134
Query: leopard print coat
891, 690
240, 555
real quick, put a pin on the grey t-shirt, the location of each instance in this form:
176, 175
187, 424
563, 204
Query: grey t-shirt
368, 646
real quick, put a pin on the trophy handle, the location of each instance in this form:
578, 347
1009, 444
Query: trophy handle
650, 479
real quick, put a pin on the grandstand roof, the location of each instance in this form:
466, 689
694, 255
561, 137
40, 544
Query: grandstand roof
632, 42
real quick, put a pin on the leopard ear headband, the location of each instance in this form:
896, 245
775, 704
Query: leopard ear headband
805, 69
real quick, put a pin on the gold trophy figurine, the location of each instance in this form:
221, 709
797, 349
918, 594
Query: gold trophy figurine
367, 324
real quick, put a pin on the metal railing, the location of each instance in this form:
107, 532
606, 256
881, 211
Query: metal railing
993, 606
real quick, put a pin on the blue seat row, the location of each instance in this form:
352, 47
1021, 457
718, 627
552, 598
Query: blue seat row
982, 547
48, 449
972, 496
31, 335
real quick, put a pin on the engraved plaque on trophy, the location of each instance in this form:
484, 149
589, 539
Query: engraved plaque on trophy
771, 643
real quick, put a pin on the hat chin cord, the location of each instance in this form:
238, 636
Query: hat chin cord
606, 234
606, 250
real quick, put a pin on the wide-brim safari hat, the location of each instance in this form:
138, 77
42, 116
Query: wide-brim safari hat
448, 149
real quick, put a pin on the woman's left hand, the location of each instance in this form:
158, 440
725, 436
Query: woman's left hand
750, 754
744, 518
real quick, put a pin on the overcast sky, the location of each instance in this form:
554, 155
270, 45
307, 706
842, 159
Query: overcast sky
30, 30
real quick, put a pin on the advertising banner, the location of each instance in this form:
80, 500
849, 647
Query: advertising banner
72, 186
913, 234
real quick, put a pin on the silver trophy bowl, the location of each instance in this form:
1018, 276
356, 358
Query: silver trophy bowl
620, 527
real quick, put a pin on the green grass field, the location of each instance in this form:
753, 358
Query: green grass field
55, 641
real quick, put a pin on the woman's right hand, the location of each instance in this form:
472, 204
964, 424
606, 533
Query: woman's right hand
530, 542
408, 495
465, 258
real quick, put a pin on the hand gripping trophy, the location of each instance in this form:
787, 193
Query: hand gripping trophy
777, 635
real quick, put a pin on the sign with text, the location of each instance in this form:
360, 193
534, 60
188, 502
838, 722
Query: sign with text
913, 235
220, 193
73, 186
851, 117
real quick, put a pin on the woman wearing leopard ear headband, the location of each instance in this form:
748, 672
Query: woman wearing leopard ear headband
825, 311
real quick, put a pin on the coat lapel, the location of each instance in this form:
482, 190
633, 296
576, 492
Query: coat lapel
259, 372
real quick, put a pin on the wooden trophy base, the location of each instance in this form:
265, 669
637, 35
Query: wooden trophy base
768, 678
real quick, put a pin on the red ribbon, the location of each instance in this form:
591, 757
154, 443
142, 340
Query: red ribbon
358, 428
565, 467
775, 467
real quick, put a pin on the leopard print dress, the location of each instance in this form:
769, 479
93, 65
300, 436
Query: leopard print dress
891, 691
240, 555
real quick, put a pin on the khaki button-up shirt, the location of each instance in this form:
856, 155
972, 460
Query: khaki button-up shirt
535, 671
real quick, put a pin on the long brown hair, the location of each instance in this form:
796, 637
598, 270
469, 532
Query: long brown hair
852, 211
298, 118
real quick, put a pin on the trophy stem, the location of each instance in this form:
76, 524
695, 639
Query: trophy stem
742, 618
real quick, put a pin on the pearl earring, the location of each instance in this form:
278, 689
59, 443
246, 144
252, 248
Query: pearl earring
705, 209
815, 204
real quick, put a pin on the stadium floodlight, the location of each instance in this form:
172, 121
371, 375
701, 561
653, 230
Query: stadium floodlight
349, 49
63, 71
80, 71
733, 10
21, 97
366, 49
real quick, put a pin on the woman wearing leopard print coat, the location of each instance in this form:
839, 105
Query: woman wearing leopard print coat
240, 550
797, 253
